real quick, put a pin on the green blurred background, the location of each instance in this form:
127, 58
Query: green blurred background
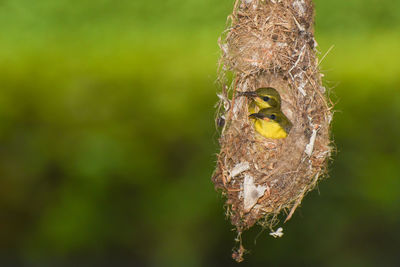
107, 138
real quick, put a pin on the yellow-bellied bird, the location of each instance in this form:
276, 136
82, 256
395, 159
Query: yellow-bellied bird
271, 123
265, 97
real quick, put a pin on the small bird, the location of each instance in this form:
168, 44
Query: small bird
265, 97
271, 123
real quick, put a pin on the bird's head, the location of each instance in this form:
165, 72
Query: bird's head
273, 115
265, 97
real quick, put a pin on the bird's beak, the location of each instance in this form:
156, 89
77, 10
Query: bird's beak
256, 116
249, 94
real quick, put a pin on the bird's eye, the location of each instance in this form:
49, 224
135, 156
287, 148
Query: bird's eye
266, 98
273, 117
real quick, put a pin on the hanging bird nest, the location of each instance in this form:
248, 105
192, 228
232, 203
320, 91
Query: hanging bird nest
270, 43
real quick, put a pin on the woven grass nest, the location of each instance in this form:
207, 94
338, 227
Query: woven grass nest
270, 44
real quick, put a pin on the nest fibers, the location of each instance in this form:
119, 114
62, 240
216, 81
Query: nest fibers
270, 44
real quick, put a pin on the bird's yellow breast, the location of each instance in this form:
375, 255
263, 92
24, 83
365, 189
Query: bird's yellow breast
257, 104
261, 103
253, 107
270, 129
